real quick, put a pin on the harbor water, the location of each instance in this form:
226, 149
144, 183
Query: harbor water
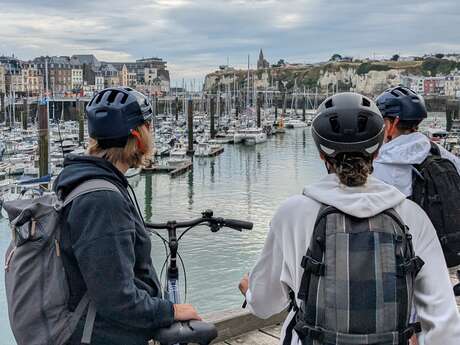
245, 182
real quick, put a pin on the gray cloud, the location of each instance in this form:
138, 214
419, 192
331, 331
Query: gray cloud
195, 36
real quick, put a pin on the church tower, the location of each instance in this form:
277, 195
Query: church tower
262, 63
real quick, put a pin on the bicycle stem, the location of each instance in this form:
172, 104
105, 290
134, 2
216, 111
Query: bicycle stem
173, 271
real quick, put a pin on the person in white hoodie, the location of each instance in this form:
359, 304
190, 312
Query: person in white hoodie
356, 135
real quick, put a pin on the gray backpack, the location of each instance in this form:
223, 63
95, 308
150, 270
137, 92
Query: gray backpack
36, 285
357, 285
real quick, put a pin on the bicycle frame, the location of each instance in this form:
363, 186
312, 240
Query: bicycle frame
191, 331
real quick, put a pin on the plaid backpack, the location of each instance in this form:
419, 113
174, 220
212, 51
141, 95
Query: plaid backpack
357, 285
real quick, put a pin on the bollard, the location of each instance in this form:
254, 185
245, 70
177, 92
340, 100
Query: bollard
304, 104
43, 148
81, 122
190, 150
212, 112
259, 122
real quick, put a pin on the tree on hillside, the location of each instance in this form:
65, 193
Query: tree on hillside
336, 57
439, 55
395, 57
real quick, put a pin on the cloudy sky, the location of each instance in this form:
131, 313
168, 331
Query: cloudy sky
195, 36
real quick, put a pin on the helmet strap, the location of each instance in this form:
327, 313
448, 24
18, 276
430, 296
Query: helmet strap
391, 131
139, 144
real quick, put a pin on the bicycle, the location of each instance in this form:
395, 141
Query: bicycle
198, 332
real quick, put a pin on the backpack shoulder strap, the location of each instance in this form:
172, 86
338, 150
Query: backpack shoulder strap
435, 153
86, 187
434, 150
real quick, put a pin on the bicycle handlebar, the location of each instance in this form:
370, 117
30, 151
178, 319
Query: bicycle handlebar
207, 217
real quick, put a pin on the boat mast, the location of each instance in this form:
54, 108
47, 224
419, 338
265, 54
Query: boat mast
248, 86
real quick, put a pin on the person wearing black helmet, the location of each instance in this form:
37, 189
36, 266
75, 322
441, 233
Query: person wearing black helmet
104, 245
349, 254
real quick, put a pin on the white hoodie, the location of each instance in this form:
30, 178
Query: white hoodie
394, 163
278, 268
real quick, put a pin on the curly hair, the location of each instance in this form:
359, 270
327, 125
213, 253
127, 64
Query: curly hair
353, 169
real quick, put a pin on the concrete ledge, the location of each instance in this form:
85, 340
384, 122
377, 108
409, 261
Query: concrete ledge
232, 323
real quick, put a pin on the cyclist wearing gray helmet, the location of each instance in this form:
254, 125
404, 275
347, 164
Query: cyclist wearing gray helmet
301, 267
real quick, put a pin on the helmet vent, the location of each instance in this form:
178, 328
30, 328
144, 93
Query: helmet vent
329, 104
112, 96
394, 93
404, 91
99, 97
366, 102
362, 123
335, 124
125, 97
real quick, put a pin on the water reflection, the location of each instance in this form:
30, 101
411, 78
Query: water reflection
148, 197
190, 189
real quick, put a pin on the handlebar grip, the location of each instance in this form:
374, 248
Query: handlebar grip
238, 224
197, 332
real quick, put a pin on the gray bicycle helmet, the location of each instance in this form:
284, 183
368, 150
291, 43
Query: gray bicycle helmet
348, 123
114, 113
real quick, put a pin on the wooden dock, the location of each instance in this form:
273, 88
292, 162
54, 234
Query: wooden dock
214, 152
173, 171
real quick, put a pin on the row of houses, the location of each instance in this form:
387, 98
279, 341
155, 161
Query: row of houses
80, 74
440, 86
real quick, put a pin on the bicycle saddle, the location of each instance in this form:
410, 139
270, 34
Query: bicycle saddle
197, 332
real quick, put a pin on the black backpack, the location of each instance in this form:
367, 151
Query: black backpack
436, 188
357, 285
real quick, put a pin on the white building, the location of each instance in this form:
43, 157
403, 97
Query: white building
418, 85
150, 74
77, 78
452, 85
99, 81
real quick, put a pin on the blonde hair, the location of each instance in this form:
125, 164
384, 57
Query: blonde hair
132, 154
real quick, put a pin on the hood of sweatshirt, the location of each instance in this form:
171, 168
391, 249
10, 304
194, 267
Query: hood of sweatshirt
406, 149
362, 202
78, 169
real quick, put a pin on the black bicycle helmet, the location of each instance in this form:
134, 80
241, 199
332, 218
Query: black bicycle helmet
348, 123
114, 112
402, 102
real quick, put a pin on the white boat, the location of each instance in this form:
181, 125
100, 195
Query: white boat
250, 136
178, 155
436, 134
178, 150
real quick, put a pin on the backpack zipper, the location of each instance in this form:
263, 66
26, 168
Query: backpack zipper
8, 259
58, 248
